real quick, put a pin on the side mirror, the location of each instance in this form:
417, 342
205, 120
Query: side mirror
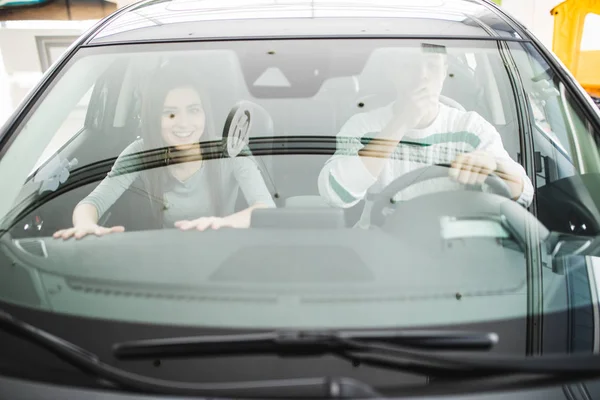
561, 247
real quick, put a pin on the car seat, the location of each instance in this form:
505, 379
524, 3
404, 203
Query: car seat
295, 176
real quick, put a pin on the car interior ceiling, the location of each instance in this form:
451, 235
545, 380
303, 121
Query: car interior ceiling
292, 178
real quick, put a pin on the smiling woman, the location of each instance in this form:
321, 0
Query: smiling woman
183, 117
186, 195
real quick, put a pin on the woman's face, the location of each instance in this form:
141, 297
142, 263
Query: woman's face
183, 118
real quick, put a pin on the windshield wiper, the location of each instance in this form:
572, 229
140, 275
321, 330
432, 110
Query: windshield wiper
397, 350
401, 350
541, 370
301, 343
321, 387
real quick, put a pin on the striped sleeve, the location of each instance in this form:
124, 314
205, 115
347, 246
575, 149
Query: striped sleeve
344, 180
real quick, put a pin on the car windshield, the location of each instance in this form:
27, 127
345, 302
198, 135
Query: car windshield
328, 184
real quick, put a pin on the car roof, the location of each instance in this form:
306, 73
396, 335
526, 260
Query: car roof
176, 20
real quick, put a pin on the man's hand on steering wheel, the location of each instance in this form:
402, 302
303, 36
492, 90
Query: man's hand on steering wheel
474, 168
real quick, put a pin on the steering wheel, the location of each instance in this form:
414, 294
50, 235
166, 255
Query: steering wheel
385, 198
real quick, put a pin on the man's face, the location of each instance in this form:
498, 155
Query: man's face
423, 73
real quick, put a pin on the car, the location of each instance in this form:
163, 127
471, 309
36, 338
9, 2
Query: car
261, 199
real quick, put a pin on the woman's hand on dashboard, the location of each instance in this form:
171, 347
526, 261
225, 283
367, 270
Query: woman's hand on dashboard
238, 220
80, 231
204, 223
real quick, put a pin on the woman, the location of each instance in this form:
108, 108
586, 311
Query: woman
198, 194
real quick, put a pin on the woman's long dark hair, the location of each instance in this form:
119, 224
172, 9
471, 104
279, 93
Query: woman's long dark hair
159, 85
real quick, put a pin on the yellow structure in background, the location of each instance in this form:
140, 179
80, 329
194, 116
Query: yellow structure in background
569, 20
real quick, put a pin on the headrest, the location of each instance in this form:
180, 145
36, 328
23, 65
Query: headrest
245, 120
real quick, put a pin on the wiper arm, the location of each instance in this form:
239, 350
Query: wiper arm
301, 343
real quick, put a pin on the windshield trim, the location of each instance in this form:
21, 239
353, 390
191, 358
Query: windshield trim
280, 37
534, 318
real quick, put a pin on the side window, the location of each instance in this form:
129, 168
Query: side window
90, 129
70, 127
552, 156
566, 157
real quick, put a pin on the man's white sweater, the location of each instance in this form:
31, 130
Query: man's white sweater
345, 180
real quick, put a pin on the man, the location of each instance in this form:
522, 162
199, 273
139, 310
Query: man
416, 130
